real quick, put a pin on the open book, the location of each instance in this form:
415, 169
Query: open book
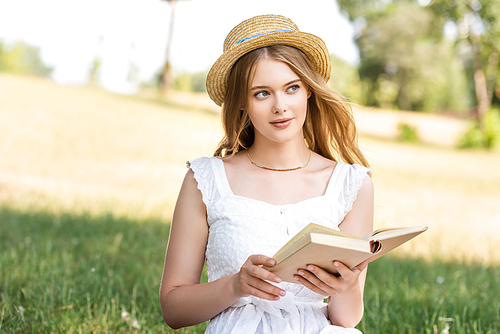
320, 245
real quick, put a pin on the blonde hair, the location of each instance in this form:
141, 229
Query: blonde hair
329, 129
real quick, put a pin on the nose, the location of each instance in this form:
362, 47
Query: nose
280, 105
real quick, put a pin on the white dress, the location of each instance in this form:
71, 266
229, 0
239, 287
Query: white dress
239, 227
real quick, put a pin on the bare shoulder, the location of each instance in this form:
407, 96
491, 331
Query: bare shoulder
319, 163
236, 165
235, 160
359, 221
189, 190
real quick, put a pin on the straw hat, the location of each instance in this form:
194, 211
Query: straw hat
257, 32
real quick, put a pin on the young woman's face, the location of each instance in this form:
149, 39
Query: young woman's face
277, 102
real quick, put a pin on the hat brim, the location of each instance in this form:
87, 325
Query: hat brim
312, 46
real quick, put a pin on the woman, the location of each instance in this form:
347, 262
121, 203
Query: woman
276, 170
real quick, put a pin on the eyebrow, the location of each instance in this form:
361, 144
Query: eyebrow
287, 84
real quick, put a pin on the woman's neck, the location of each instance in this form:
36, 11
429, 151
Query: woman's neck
280, 155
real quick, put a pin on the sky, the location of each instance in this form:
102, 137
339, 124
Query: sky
72, 33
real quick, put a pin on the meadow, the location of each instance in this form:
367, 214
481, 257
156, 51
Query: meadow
88, 180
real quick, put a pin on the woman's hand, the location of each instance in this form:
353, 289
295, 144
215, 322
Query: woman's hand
326, 284
251, 279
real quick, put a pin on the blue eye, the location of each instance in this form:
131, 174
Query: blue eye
261, 94
293, 88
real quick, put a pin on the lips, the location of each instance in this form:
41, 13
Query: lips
281, 122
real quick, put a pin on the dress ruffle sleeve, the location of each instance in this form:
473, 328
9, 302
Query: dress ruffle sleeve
352, 183
204, 176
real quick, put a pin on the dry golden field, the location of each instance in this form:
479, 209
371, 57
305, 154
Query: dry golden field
82, 149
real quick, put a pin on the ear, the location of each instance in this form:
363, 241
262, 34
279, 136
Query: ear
309, 93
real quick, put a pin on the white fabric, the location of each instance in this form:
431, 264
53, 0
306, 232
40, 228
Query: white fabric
240, 227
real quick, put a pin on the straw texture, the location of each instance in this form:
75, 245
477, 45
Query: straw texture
257, 32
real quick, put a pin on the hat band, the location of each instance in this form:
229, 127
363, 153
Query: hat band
253, 36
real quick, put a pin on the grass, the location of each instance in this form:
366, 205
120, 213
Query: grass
79, 273
88, 180
411, 295
89, 149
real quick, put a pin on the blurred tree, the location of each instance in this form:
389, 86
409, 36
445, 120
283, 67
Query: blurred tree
95, 71
478, 27
96, 65
404, 60
133, 73
345, 79
186, 81
166, 75
182, 82
22, 58
443, 83
133, 68
198, 80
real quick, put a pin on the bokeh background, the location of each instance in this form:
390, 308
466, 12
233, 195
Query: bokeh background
103, 102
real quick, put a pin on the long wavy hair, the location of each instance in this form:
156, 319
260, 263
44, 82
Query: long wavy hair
329, 129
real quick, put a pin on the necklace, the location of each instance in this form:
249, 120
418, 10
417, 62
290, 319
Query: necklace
279, 169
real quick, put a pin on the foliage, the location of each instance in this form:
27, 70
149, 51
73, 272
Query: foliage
442, 84
404, 60
477, 25
192, 82
198, 80
345, 79
408, 133
182, 82
485, 135
22, 58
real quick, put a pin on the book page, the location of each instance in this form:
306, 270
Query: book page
313, 228
393, 238
388, 233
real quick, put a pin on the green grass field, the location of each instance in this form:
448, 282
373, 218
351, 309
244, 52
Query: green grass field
87, 184
66, 273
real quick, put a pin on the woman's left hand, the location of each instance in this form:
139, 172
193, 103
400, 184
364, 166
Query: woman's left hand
326, 284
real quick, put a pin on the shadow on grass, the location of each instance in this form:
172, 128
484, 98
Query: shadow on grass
71, 273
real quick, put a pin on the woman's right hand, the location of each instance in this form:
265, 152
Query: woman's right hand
252, 279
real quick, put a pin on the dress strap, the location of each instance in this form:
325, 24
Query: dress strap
330, 188
220, 176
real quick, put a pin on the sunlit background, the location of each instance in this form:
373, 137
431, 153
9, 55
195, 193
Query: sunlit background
128, 34
96, 127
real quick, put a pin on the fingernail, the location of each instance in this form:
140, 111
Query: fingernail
310, 268
336, 264
282, 293
276, 298
301, 273
277, 279
295, 278
272, 262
